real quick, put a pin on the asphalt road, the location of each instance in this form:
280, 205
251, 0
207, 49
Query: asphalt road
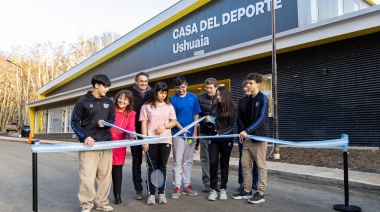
59, 183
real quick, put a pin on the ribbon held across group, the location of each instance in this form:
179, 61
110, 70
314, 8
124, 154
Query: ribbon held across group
100, 145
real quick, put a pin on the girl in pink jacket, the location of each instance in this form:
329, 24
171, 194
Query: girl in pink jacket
125, 118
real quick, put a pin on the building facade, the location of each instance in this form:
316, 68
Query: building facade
328, 58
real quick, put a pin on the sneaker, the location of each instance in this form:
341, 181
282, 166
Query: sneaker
151, 200
138, 195
257, 198
223, 194
189, 191
105, 208
176, 193
86, 210
242, 195
162, 199
213, 195
207, 188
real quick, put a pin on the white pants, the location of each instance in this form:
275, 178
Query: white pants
181, 151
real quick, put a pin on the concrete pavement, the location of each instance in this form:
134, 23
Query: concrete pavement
358, 180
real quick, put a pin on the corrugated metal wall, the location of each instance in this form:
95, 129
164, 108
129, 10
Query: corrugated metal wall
323, 91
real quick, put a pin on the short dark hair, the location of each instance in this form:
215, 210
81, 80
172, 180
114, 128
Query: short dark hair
179, 80
209, 81
254, 76
101, 79
141, 73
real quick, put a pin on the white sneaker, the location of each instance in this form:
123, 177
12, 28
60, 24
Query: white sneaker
105, 208
213, 195
151, 200
223, 194
86, 210
162, 199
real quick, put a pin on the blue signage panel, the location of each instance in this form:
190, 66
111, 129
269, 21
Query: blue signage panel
216, 25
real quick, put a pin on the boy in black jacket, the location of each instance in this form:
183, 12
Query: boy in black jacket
255, 122
97, 164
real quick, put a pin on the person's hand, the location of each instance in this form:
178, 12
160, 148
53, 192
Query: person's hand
132, 137
89, 141
195, 137
160, 129
242, 136
145, 147
207, 119
100, 124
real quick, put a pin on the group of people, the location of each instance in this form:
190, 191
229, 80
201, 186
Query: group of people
149, 112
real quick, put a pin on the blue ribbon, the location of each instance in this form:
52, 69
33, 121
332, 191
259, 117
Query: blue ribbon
101, 145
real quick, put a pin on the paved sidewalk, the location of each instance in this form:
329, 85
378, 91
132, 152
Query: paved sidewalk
360, 180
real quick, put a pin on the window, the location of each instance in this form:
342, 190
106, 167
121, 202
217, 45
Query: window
340, 7
68, 117
356, 6
55, 120
41, 121
266, 88
201, 88
314, 11
55, 123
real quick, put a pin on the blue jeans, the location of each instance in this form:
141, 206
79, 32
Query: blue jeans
255, 173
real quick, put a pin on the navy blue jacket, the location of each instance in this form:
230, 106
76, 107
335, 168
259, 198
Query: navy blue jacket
87, 111
253, 115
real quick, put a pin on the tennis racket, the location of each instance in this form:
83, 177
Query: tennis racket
156, 177
191, 141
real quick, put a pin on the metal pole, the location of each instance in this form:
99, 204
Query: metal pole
346, 206
35, 180
274, 83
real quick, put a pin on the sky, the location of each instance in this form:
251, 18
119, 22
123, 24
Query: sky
28, 22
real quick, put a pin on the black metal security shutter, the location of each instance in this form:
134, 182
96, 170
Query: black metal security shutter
331, 89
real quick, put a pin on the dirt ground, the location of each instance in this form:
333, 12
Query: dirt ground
358, 160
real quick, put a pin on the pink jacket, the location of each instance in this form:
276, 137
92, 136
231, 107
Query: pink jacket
127, 123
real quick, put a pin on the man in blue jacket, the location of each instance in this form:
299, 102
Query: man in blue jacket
85, 121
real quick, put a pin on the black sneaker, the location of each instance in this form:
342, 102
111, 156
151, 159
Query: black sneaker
242, 195
257, 198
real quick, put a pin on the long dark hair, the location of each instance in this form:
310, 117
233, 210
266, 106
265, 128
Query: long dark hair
127, 94
227, 105
159, 86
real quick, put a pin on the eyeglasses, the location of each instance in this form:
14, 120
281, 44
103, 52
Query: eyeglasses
180, 87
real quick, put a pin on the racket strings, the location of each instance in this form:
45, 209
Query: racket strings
157, 178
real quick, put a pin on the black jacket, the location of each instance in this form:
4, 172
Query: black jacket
253, 115
206, 102
138, 100
87, 111
223, 126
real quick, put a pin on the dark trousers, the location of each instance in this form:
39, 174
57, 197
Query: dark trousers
219, 153
255, 172
136, 167
159, 155
117, 176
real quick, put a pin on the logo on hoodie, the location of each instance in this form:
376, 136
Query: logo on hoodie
105, 105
